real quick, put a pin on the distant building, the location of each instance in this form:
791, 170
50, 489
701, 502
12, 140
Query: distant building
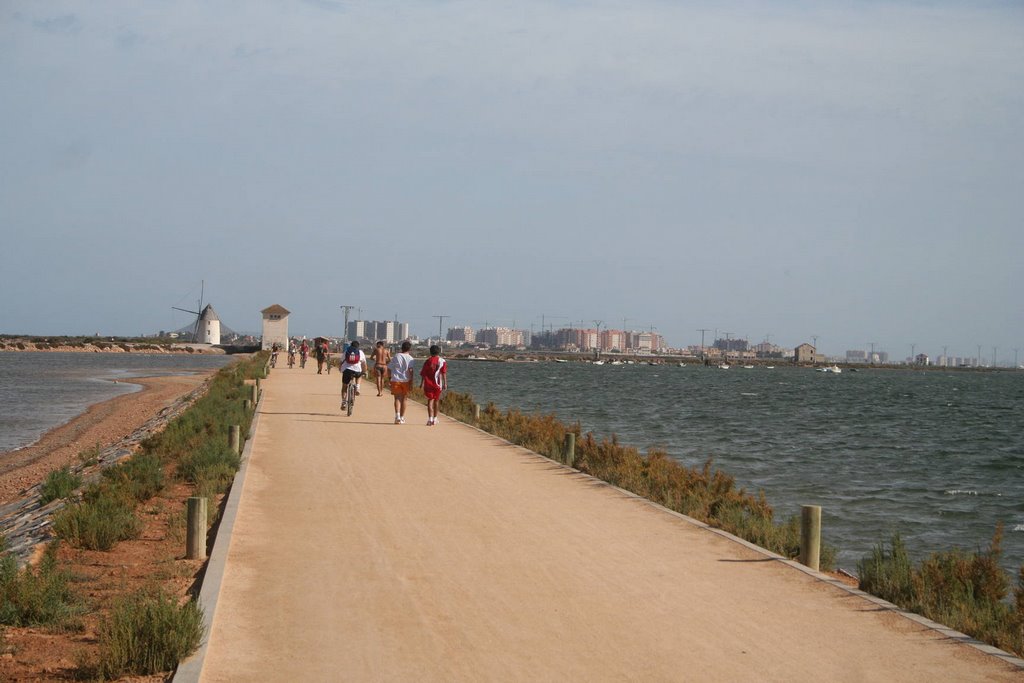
460, 335
275, 327
209, 326
855, 356
500, 336
805, 353
922, 359
387, 331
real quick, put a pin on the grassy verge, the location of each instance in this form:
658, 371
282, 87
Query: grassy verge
146, 632
59, 484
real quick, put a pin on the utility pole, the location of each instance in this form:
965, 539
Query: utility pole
979, 356
945, 356
1015, 350
702, 331
912, 357
597, 324
440, 324
344, 331
994, 355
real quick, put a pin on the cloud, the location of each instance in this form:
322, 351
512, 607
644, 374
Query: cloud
68, 23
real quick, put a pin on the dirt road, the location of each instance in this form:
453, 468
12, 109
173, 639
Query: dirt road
365, 550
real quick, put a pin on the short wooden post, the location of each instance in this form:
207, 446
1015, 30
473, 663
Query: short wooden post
255, 394
810, 536
569, 449
195, 542
259, 387
235, 438
247, 404
476, 414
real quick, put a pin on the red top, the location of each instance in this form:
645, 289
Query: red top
433, 370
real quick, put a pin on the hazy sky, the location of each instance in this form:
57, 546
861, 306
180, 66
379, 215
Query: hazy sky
852, 170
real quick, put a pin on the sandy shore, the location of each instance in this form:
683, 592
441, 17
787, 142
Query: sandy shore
103, 423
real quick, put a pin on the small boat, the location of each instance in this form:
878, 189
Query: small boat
616, 362
723, 366
831, 368
561, 360
748, 367
769, 367
598, 362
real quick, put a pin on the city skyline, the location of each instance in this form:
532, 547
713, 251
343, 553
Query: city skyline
842, 171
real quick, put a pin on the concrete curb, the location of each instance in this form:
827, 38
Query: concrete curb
190, 669
945, 631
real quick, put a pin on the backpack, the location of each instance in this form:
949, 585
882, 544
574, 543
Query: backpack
352, 356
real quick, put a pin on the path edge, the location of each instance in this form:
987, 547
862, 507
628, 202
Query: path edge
191, 668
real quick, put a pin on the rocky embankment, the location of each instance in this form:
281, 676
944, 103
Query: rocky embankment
98, 346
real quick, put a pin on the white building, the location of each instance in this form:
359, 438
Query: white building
209, 326
275, 327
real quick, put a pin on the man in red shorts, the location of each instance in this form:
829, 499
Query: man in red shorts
434, 380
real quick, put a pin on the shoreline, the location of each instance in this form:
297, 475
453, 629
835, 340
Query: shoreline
102, 424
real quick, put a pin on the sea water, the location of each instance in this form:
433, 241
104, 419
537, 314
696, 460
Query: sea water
936, 456
40, 391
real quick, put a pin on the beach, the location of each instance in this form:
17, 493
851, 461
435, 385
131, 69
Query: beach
102, 423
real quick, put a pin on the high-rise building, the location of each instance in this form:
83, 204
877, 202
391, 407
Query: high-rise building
460, 335
388, 331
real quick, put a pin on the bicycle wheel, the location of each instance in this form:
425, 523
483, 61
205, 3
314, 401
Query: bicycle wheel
351, 397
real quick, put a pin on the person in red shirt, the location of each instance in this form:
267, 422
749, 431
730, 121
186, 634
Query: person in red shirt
434, 380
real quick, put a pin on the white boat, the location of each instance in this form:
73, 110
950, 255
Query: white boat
723, 366
831, 368
616, 362
561, 360
748, 367
769, 367
598, 362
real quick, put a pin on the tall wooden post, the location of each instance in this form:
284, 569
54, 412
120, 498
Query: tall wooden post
195, 541
476, 414
569, 449
810, 536
235, 438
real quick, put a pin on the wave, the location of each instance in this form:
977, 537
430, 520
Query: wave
961, 492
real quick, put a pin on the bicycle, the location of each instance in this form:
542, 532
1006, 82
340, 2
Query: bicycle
291, 359
302, 360
348, 398
273, 359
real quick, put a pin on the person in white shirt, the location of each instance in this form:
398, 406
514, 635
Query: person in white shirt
353, 366
401, 367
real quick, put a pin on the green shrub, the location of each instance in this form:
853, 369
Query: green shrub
212, 462
141, 477
39, 596
965, 591
147, 634
103, 518
59, 484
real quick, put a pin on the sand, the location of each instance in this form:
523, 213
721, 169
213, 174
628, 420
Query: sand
102, 423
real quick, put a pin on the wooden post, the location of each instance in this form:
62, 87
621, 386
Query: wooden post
810, 536
235, 438
247, 404
476, 414
255, 394
569, 449
258, 387
195, 542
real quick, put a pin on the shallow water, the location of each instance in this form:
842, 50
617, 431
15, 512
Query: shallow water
40, 391
937, 456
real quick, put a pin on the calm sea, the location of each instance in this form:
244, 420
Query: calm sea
937, 456
39, 391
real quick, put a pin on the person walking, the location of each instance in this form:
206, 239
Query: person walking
381, 356
353, 366
401, 368
434, 380
321, 355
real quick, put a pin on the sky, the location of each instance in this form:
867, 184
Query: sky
852, 171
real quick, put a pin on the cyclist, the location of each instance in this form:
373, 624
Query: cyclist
322, 356
353, 366
273, 356
303, 353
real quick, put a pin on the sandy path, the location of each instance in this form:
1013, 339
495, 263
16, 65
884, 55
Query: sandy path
102, 423
368, 551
